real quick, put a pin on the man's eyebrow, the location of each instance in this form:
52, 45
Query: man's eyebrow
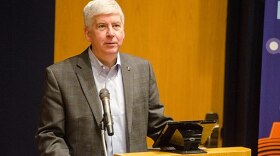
117, 22
100, 22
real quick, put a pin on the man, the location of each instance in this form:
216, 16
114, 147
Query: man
71, 109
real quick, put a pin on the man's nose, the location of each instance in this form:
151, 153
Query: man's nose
110, 32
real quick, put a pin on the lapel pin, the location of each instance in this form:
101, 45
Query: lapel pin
128, 68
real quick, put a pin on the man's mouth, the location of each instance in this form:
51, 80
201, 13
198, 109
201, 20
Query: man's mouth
110, 43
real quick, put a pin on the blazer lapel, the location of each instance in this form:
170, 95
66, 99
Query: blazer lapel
86, 79
127, 75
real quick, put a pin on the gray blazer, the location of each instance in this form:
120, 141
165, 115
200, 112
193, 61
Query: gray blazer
71, 110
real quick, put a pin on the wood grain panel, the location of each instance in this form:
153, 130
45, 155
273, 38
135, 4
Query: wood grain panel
69, 29
183, 39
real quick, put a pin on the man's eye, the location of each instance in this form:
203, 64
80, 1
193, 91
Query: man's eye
101, 26
116, 26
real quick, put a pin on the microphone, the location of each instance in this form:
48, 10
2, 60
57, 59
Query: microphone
107, 117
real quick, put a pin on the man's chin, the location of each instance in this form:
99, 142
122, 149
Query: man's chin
112, 51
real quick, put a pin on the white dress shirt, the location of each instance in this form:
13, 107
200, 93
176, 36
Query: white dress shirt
111, 78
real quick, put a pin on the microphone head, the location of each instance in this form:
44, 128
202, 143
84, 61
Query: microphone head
104, 93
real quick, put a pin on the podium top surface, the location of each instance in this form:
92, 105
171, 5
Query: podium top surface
226, 151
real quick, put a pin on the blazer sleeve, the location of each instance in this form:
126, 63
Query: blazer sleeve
51, 131
156, 117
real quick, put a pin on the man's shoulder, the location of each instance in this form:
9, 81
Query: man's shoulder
68, 63
63, 63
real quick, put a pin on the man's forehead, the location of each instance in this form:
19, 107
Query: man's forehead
108, 16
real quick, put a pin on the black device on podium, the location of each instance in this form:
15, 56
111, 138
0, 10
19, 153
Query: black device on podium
185, 136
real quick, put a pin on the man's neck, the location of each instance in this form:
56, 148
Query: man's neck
107, 60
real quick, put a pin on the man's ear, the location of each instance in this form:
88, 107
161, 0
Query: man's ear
87, 34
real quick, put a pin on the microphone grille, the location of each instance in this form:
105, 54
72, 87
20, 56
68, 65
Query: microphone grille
104, 93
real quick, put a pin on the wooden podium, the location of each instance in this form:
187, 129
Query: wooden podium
227, 151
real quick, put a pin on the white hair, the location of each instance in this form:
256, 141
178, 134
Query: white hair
97, 7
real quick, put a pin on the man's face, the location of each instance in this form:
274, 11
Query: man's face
106, 34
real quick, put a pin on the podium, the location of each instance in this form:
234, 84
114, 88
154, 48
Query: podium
226, 151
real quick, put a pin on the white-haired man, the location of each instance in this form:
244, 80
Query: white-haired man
71, 109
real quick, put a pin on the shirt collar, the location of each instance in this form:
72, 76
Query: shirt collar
99, 66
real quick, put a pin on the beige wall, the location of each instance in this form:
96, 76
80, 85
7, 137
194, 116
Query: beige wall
183, 39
